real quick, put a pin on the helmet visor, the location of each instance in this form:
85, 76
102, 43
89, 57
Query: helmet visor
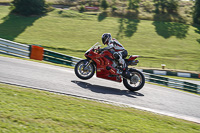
103, 40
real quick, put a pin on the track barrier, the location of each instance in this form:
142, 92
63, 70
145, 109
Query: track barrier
36, 52
14, 49
58, 58
173, 83
171, 73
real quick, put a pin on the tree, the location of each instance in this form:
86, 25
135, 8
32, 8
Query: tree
29, 7
82, 9
133, 4
104, 4
196, 15
171, 6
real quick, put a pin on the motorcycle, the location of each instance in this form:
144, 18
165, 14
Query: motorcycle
107, 67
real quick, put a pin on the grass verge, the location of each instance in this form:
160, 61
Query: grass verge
72, 33
28, 110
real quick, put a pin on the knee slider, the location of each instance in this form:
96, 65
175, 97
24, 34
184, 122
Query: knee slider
124, 54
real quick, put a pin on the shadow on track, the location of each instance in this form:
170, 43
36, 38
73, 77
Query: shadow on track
106, 90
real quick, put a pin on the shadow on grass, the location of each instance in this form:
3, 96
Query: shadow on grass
106, 90
127, 27
168, 29
198, 40
14, 25
102, 16
197, 31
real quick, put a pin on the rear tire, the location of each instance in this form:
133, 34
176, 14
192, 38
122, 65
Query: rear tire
137, 80
84, 74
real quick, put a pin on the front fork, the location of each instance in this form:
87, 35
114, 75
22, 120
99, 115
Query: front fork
85, 68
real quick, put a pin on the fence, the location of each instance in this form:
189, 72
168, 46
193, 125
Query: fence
13, 48
173, 83
58, 58
171, 73
31, 51
35, 52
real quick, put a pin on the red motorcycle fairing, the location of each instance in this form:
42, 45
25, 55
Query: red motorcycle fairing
104, 67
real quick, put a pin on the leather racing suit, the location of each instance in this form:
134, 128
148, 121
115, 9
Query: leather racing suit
118, 51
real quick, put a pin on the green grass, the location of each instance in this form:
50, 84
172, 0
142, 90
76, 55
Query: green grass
72, 33
28, 110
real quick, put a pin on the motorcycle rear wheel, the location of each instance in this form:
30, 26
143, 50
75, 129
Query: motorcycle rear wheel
84, 71
137, 80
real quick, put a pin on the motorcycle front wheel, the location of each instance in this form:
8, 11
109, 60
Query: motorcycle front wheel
136, 82
84, 69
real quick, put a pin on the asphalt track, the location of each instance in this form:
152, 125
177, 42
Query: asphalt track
152, 98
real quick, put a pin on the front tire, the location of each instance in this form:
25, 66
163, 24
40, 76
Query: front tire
83, 70
136, 82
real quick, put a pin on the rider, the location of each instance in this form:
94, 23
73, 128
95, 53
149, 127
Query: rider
118, 51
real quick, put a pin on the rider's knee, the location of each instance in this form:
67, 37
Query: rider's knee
124, 54
116, 55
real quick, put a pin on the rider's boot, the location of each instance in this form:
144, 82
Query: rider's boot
123, 64
124, 69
